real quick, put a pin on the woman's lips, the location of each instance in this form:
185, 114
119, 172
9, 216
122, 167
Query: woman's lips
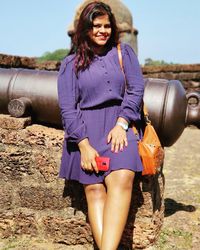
102, 37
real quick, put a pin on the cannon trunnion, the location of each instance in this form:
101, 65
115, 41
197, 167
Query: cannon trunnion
34, 92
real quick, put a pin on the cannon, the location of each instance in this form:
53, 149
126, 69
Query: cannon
26, 92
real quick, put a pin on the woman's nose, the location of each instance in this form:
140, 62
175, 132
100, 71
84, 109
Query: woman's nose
102, 29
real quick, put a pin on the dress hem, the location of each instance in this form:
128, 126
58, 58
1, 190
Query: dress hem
99, 180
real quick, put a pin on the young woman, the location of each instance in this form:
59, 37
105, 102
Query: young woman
97, 107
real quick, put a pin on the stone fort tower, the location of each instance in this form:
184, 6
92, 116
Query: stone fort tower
128, 33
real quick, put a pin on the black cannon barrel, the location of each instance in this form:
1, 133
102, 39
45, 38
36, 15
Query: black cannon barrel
34, 92
39, 86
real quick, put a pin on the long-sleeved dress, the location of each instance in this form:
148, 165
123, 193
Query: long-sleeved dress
90, 106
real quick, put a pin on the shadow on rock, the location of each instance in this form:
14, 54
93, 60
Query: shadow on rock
171, 207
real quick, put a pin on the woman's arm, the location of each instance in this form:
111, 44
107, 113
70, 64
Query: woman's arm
131, 105
74, 126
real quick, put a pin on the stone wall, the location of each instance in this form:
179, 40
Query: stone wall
188, 74
34, 202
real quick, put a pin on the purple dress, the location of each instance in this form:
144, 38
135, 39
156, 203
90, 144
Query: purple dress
90, 106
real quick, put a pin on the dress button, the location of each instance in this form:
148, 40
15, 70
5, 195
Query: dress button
108, 81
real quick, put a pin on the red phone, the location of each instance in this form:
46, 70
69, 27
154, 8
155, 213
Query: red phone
102, 163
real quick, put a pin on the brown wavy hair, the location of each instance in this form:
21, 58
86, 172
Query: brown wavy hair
81, 40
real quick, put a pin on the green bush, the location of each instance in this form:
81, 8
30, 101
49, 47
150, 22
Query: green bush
151, 62
56, 55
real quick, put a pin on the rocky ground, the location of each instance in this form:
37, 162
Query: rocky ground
181, 229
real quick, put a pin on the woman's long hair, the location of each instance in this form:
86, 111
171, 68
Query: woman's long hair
81, 41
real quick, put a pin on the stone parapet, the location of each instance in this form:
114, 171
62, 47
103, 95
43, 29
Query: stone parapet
188, 74
9, 61
35, 203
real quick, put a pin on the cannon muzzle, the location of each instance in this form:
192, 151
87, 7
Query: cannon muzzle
193, 109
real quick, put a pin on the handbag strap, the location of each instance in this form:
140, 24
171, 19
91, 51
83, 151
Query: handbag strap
145, 110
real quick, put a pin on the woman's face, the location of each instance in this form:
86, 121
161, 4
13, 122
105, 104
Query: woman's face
101, 31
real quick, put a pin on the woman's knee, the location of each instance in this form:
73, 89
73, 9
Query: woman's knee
121, 179
95, 191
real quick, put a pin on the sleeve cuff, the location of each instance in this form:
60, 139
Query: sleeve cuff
77, 135
130, 118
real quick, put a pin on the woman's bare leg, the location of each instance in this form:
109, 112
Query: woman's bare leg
119, 189
96, 196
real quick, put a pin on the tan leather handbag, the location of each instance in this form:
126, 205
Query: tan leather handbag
149, 147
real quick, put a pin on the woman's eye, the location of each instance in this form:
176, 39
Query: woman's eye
97, 26
107, 26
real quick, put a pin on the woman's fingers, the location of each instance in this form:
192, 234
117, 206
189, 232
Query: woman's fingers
94, 165
88, 167
82, 164
90, 164
109, 138
121, 146
118, 144
118, 139
113, 145
125, 141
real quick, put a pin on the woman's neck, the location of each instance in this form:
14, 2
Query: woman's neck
99, 50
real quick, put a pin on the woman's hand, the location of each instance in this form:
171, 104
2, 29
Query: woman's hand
88, 154
117, 137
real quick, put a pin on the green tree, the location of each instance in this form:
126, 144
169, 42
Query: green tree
56, 55
151, 62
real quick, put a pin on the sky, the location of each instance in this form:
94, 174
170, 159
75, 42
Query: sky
169, 30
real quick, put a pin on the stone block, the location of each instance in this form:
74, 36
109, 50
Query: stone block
44, 136
171, 68
8, 122
15, 163
40, 198
72, 231
45, 163
17, 223
5, 197
9, 61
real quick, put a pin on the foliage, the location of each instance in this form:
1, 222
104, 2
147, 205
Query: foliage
56, 55
151, 62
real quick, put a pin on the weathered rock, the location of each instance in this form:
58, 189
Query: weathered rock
9, 61
15, 163
6, 197
71, 231
17, 223
171, 68
40, 198
9, 122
